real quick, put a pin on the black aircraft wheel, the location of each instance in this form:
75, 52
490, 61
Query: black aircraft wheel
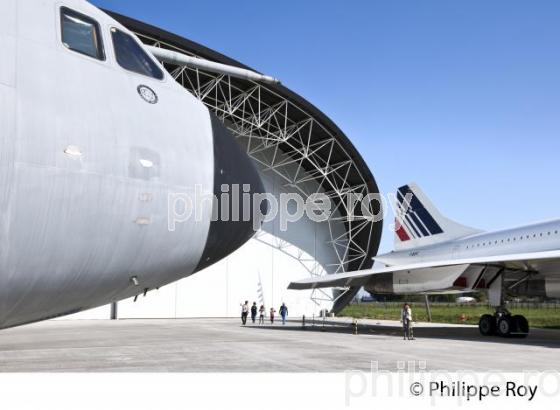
487, 325
505, 326
520, 326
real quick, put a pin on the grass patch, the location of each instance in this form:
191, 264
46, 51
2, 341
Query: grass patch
543, 317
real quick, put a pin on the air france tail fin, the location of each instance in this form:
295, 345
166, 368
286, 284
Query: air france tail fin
419, 223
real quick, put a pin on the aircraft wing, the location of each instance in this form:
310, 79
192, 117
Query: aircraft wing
534, 261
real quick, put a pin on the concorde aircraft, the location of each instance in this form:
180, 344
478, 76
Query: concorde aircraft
435, 255
95, 136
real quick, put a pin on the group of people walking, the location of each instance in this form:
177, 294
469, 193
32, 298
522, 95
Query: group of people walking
406, 316
254, 310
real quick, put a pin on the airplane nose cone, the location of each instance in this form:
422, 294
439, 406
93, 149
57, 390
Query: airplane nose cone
235, 176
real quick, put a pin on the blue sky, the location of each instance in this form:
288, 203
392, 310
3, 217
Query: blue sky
462, 97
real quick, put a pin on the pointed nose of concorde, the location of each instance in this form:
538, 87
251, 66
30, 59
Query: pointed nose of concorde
234, 168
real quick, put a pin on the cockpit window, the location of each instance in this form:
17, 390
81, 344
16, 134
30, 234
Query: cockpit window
81, 34
132, 57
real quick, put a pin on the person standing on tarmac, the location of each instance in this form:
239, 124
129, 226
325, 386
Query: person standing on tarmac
283, 312
406, 319
261, 315
254, 312
244, 312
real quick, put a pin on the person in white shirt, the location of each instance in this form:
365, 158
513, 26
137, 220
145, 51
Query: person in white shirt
244, 312
406, 319
261, 315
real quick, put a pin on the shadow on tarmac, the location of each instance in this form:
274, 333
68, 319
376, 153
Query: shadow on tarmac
537, 337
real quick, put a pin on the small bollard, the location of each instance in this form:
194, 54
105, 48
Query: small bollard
303, 322
355, 324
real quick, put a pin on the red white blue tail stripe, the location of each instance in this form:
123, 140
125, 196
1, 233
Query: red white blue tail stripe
413, 219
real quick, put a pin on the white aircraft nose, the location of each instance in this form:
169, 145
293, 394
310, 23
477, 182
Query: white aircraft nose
236, 176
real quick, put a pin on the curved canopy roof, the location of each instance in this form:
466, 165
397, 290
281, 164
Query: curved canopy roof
273, 117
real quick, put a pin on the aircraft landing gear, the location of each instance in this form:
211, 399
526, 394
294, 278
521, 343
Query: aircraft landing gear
504, 324
487, 325
501, 323
521, 326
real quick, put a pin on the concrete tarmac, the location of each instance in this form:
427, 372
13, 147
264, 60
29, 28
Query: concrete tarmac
223, 345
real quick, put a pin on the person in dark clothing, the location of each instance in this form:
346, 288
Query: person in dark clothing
254, 312
283, 312
244, 312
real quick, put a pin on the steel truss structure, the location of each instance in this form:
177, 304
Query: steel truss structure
288, 136
309, 263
